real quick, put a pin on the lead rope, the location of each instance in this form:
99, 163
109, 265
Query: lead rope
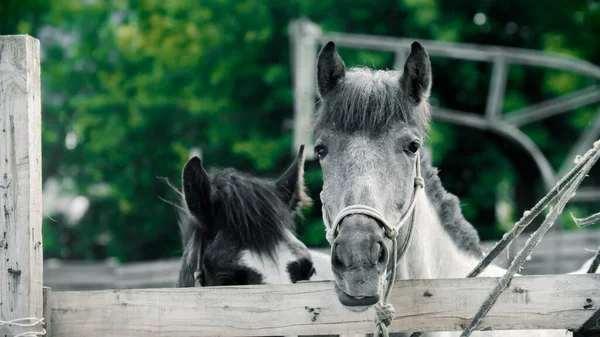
384, 311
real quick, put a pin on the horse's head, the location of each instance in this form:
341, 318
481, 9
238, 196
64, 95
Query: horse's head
238, 229
369, 128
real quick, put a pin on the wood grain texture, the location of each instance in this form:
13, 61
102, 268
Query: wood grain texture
531, 302
20, 180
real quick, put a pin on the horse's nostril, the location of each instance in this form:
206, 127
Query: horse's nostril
375, 255
335, 257
378, 253
382, 253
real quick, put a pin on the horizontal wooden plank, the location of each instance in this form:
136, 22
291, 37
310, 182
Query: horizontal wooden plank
146, 275
78, 275
60, 275
530, 302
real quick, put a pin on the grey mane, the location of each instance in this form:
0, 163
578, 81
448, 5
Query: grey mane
447, 206
368, 100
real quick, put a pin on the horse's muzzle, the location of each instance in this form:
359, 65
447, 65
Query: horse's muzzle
355, 301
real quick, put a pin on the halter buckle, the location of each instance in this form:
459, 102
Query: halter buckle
419, 182
391, 234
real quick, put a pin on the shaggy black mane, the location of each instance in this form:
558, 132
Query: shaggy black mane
250, 208
245, 208
369, 100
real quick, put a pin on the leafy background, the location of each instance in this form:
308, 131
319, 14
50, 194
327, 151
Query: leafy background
130, 87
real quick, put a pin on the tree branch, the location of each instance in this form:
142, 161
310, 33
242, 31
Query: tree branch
589, 159
586, 221
595, 263
520, 259
528, 216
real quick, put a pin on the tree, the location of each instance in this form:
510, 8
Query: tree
130, 86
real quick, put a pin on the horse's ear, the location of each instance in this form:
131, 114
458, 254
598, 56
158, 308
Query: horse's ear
330, 68
416, 79
196, 190
290, 184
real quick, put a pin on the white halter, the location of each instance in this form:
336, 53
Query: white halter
384, 311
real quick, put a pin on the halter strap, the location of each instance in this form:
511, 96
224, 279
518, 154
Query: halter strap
390, 231
384, 311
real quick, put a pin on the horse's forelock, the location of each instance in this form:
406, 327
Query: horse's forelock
369, 100
251, 209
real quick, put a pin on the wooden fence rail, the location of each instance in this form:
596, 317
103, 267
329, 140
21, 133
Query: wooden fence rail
99, 275
530, 302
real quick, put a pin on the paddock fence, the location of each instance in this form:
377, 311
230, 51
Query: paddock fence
310, 308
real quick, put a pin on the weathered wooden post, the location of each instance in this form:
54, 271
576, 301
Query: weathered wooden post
304, 48
20, 185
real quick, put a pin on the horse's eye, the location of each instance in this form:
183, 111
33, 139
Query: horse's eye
413, 147
321, 151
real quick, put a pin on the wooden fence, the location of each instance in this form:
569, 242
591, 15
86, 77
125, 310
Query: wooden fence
550, 302
20, 180
530, 302
108, 274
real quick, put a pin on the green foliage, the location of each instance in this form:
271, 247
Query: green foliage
133, 85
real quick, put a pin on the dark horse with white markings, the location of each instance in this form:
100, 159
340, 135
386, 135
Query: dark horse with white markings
378, 185
238, 229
